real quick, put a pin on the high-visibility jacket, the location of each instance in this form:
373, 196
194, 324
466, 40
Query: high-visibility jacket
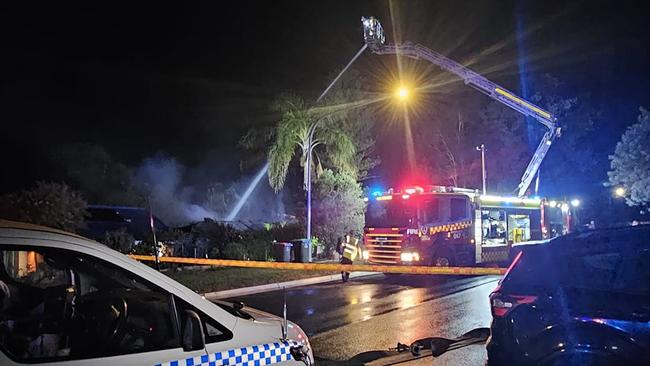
350, 247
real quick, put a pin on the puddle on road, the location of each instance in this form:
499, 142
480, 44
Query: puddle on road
367, 302
410, 298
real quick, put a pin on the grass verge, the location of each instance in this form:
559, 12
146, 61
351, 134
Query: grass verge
225, 278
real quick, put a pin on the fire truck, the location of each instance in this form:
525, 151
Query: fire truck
449, 226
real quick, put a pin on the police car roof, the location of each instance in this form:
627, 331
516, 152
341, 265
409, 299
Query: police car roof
8, 224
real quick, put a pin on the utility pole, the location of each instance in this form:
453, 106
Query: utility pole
481, 148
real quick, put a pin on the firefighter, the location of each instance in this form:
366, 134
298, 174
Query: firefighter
348, 248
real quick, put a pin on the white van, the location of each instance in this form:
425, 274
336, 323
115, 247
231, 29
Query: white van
66, 300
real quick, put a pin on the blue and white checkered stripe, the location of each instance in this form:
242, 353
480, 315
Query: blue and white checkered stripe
264, 354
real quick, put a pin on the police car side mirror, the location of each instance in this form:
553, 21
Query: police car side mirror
193, 337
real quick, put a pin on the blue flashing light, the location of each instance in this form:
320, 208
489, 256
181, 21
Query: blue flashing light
377, 193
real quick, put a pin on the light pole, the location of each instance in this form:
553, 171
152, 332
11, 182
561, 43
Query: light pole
310, 147
402, 93
481, 148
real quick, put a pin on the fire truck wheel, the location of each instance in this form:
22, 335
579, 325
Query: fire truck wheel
443, 258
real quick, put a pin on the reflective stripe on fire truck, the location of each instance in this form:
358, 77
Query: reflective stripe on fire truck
478, 236
450, 227
350, 249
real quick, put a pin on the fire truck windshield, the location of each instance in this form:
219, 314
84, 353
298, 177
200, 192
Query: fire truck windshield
390, 213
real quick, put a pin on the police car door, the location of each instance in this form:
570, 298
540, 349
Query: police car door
64, 307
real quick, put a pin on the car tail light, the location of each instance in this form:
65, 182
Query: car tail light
502, 304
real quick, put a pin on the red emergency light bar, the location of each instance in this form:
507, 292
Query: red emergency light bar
414, 190
406, 193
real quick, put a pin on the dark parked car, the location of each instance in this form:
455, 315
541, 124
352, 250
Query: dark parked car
580, 299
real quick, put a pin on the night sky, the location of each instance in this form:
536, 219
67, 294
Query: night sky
188, 81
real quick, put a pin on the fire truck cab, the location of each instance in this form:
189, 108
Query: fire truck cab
448, 226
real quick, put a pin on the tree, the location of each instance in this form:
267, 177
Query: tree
507, 153
92, 170
356, 122
118, 240
292, 134
51, 204
451, 154
339, 207
510, 140
220, 198
630, 164
451, 146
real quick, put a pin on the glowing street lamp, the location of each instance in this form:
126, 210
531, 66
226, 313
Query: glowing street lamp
402, 94
619, 192
575, 202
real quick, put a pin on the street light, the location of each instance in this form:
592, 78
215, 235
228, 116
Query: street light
619, 192
402, 93
575, 202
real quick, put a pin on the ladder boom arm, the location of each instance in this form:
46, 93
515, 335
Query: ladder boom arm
470, 78
375, 40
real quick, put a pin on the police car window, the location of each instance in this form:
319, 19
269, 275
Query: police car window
61, 305
31, 268
212, 330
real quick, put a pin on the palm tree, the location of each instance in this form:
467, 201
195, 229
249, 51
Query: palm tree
292, 134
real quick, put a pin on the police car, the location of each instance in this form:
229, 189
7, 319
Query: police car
66, 300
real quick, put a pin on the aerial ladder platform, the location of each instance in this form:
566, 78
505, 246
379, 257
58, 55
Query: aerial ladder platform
375, 39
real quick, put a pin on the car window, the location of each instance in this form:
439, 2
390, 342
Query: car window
589, 265
534, 271
29, 268
458, 208
620, 270
59, 305
213, 331
638, 275
430, 210
596, 271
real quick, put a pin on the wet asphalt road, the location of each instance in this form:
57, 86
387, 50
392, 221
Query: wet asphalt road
375, 312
